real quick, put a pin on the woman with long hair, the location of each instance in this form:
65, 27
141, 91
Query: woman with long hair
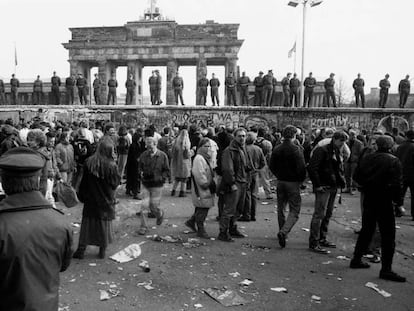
97, 192
203, 191
181, 162
133, 182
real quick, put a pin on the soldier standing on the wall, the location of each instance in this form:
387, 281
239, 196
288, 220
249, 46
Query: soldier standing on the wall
97, 89
358, 87
153, 88
2, 94
258, 90
286, 90
214, 87
14, 86
130, 85
82, 85
309, 83
268, 88
55, 80
294, 85
404, 90
243, 84
70, 89
274, 83
384, 85
202, 90
178, 86
159, 86
37, 91
330, 90
230, 84
112, 85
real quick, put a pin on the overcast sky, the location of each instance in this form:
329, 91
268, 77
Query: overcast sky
343, 36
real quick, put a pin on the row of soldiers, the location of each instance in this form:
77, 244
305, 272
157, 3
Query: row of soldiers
265, 89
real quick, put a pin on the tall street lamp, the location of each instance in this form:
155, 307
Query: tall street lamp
295, 3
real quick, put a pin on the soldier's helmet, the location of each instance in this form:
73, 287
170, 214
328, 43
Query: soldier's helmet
387, 75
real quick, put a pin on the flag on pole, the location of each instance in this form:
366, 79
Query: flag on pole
15, 55
292, 50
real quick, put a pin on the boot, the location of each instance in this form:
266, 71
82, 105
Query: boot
182, 194
190, 223
102, 250
173, 192
80, 252
234, 232
224, 230
200, 216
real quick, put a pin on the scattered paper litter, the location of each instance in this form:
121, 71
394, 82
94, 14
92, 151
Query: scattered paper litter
354, 222
63, 308
108, 294
146, 285
327, 262
265, 203
343, 258
316, 298
198, 305
226, 297
246, 282
186, 231
75, 225
305, 229
379, 291
129, 253
71, 281
234, 274
397, 227
279, 289
92, 264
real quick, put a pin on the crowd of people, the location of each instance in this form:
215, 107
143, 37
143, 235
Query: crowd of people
223, 164
264, 95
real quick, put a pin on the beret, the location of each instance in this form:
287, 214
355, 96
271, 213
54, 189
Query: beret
21, 161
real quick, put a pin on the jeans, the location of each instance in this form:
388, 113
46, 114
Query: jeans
410, 185
264, 180
249, 210
67, 177
349, 173
324, 204
153, 205
233, 206
288, 192
122, 159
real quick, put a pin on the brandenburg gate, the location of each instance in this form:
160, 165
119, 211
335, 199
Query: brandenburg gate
152, 42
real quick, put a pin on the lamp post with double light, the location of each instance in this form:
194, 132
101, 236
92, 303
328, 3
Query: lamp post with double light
295, 3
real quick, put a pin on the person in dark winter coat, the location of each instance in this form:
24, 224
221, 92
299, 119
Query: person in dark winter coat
35, 239
133, 182
97, 192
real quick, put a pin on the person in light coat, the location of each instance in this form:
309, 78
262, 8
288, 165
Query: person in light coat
202, 190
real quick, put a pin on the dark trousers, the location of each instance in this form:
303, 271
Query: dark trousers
307, 102
2, 98
233, 207
97, 96
215, 96
37, 97
70, 95
153, 96
202, 97
330, 95
13, 97
410, 185
83, 99
288, 193
349, 173
324, 205
286, 98
403, 98
294, 94
55, 95
244, 94
231, 97
268, 95
111, 97
359, 95
249, 211
158, 96
258, 97
378, 209
178, 93
383, 98
130, 97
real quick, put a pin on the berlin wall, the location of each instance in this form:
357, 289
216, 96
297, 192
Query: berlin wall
307, 118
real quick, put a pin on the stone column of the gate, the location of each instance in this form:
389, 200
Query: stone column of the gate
104, 74
201, 72
172, 68
139, 80
231, 66
132, 70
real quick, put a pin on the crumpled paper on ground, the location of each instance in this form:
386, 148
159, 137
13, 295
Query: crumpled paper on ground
379, 291
129, 253
108, 294
226, 297
279, 289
